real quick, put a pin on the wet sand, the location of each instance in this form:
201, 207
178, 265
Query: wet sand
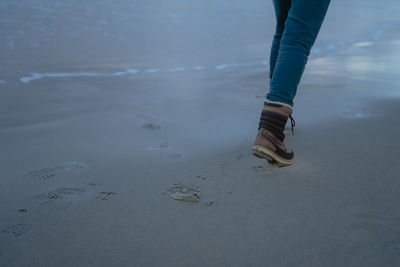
99, 146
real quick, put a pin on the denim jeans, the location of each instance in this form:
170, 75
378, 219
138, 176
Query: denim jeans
297, 27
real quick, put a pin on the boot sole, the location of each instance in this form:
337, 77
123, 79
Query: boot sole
270, 156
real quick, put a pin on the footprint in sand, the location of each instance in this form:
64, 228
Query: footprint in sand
264, 169
95, 184
151, 126
105, 195
235, 160
150, 123
226, 165
17, 230
48, 173
223, 167
184, 193
211, 203
58, 199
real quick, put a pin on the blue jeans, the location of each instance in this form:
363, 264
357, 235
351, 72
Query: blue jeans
297, 27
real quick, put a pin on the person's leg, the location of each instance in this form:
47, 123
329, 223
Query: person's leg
281, 12
301, 28
299, 33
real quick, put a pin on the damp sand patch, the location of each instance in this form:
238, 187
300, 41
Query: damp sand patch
165, 150
359, 114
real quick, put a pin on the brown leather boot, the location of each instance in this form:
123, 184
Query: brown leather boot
269, 141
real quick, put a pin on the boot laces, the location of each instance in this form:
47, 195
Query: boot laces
292, 122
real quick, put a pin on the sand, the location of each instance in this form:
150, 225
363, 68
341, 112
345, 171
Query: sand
133, 147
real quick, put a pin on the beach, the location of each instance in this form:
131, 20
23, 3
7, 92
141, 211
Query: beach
126, 130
